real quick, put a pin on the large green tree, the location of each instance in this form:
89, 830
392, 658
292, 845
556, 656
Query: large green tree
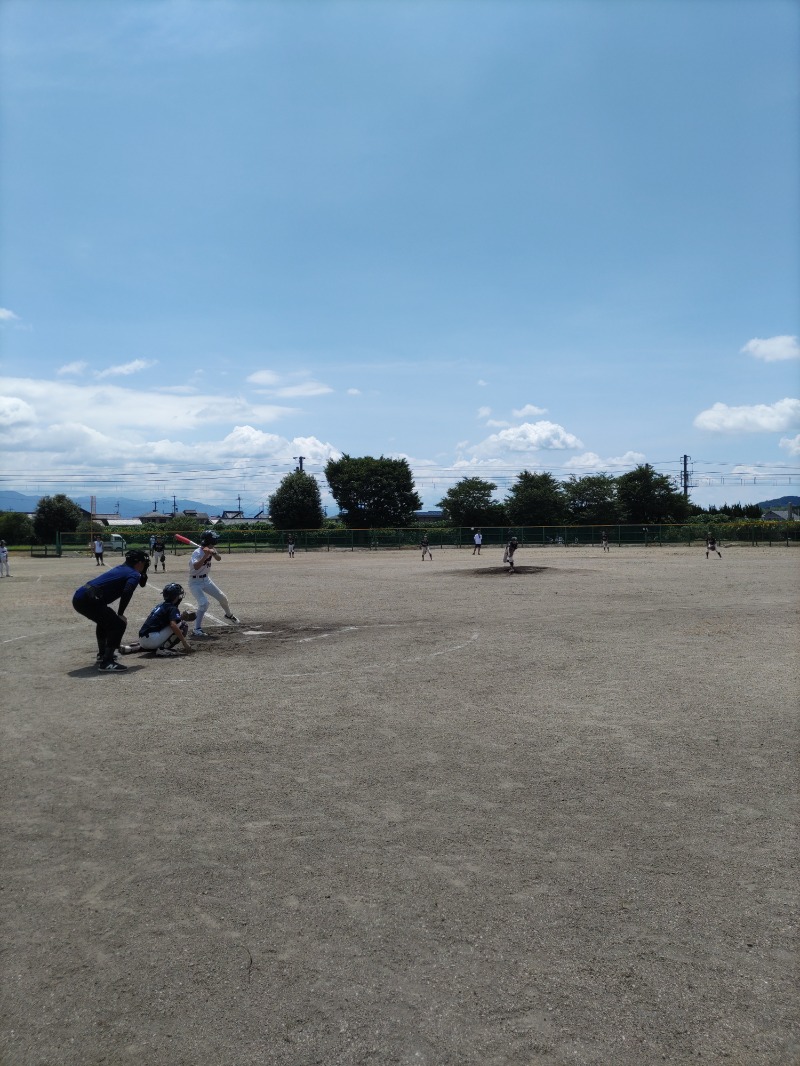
373, 492
55, 514
470, 503
296, 503
591, 500
536, 500
646, 496
15, 528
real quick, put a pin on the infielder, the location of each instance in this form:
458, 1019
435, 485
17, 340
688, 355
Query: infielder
4, 571
711, 546
478, 539
426, 548
604, 541
165, 626
92, 601
200, 584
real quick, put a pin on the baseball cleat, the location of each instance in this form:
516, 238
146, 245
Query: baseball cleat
198, 633
111, 668
232, 618
166, 653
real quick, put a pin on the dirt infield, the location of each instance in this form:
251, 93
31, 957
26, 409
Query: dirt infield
412, 813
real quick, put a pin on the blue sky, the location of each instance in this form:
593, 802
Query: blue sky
485, 236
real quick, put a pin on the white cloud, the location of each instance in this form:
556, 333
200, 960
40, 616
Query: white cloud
484, 412
773, 349
8, 316
528, 437
790, 444
529, 409
497, 423
106, 406
757, 418
592, 461
354, 392
264, 377
78, 367
124, 369
291, 387
305, 388
15, 412
482, 383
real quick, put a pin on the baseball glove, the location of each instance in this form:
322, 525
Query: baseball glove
188, 616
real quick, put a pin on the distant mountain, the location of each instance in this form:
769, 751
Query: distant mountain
18, 501
784, 501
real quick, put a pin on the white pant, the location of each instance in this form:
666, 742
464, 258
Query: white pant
157, 639
4, 566
201, 588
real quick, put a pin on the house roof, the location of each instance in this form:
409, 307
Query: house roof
781, 514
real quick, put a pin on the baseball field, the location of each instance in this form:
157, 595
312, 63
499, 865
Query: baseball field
409, 813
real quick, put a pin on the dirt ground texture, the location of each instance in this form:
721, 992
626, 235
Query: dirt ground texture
409, 813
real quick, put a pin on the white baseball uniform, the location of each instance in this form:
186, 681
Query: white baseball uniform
201, 587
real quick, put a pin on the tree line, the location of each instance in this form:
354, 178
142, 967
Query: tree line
379, 493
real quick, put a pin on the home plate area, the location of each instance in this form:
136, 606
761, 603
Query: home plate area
255, 638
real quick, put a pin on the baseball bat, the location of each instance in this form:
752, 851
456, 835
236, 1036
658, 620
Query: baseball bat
185, 540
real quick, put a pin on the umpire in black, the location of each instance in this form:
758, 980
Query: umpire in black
92, 600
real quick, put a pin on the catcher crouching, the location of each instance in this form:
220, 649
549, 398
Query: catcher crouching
165, 627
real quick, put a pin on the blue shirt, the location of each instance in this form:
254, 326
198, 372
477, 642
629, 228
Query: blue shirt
117, 584
159, 618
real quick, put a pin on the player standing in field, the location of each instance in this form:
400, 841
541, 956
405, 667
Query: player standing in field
711, 545
97, 547
4, 571
290, 545
92, 601
478, 538
604, 541
200, 584
508, 554
426, 550
158, 551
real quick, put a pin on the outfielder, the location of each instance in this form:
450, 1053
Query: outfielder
200, 584
4, 571
426, 548
92, 601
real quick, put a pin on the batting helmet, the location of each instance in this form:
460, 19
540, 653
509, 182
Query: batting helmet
209, 539
173, 592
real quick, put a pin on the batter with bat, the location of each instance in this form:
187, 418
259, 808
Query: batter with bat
200, 584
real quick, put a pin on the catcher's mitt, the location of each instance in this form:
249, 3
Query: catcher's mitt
188, 616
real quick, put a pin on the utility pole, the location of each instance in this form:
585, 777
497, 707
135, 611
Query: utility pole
300, 459
685, 478
174, 506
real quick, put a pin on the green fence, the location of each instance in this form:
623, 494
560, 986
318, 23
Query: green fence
340, 539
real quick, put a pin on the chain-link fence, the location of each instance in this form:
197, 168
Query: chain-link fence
340, 539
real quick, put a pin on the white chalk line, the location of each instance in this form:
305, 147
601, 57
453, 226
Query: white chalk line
25, 636
325, 673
